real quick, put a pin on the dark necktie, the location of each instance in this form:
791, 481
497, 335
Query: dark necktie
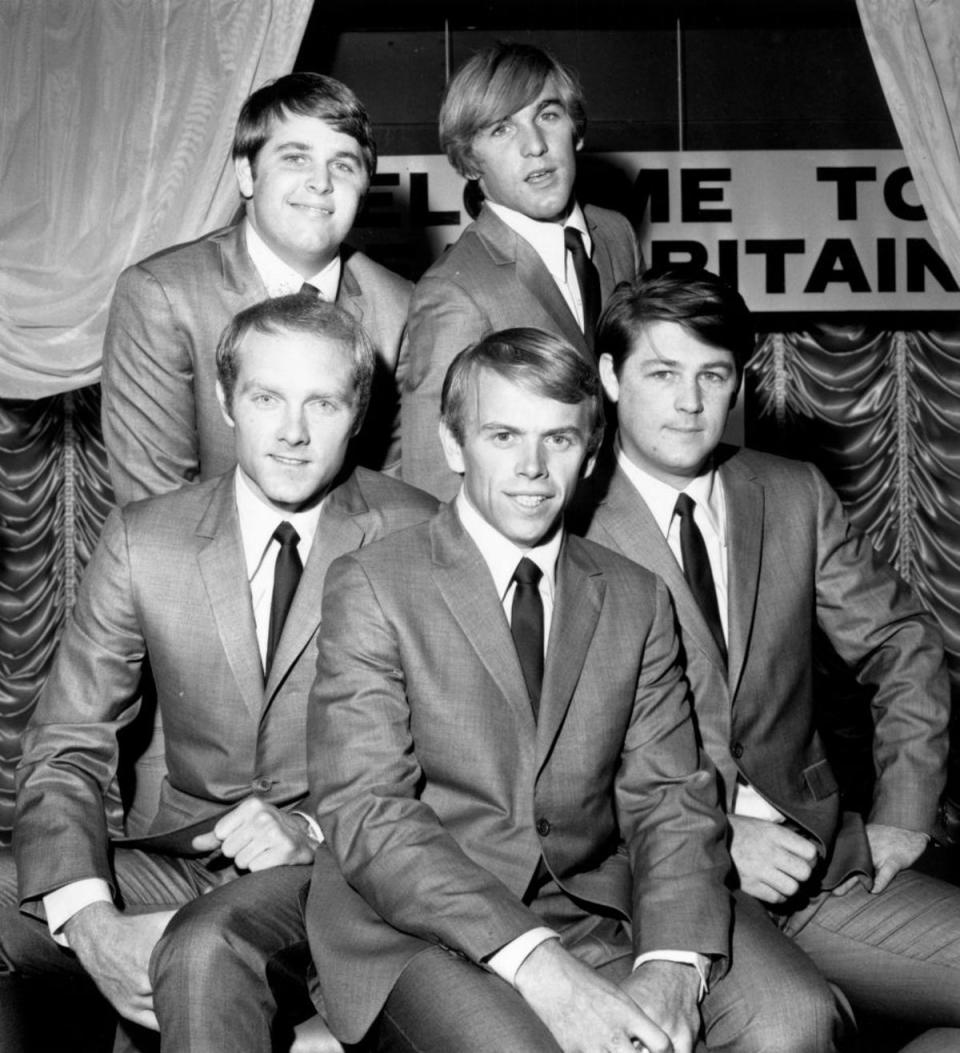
587, 278
526, 625
696, 568
309, 290
286, 577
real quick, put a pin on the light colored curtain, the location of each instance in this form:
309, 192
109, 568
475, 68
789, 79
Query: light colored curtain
116, 121
915, 46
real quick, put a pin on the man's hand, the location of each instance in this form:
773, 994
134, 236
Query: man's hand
115, 950
668, 993
893, 849
584, 1012
257, 835
771, 860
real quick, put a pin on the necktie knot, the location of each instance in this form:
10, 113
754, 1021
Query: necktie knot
685, 505
527, 572
309, 290
286, 534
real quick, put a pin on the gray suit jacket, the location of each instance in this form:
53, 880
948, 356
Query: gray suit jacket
490, 279
166, 595
797, 564
439, 793
161, 422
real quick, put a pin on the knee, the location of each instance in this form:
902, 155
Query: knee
202, 936
810, 1017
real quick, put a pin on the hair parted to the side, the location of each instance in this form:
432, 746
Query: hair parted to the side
306, 95
492, 84
532, 359
299, 313
695, 299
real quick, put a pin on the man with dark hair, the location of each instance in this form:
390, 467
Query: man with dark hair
512, 121
208, 600
304, 156
760, 558
523, 851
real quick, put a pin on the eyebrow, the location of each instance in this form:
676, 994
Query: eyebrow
293, 144
557, 101
655, 359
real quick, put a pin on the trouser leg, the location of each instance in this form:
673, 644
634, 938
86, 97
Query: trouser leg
209, 969
896, 954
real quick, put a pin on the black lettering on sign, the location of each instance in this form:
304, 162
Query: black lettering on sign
893, 196
775, 250
653, 185
846, 179
677, 254
693, 194
922, 258
420, 214
837, 263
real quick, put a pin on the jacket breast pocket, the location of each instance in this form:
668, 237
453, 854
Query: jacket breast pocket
820, 780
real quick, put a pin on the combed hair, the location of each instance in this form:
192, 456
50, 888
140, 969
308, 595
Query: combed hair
299, 313
306, 95
695, 299
532, 359
494, 83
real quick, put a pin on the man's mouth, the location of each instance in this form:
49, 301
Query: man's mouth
530, 500
541, 175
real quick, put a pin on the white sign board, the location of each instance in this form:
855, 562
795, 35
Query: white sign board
819, 230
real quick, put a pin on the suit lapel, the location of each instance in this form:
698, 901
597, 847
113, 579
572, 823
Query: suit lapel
577, 605
349, 295
223, 571
240, 279
463, 579
341, 528
507, 247
602, 258
634, 532
744, 499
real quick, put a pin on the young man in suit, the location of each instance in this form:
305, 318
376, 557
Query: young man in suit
760, 558
523, 850
209, 599
512, 122
304, 156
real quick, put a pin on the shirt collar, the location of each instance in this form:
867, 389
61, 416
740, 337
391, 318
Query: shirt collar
502, 555
546, 237
280, 278
258, 521
661, 498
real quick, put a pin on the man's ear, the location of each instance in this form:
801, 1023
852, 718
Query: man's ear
608, 377
244, 174
589, 464
578, 144
451, 449
222, 399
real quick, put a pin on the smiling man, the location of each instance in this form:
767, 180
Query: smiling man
761, 560
503, 759
207, 599
511, 122
304, 156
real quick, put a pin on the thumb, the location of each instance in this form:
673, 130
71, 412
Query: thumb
208, 842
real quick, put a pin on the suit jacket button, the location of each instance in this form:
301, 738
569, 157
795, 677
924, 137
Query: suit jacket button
262, 785
543, 827
737, 750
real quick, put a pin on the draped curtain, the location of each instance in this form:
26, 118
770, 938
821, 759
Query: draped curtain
915, 46
118, 117
115, 141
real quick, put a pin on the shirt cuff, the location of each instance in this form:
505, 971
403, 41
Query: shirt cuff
316, 834
700, 962
63, 903
512, 955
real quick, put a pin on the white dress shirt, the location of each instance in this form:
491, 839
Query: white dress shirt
280, 278
258, 521
546, 239
710, 515
502, 557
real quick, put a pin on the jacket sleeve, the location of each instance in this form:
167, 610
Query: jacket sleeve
148, 410
444, 319
70, 745
877, 625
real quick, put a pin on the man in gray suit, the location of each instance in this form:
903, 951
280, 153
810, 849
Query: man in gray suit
524, 849
760, 558
304, 155
211, 597
512, 122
